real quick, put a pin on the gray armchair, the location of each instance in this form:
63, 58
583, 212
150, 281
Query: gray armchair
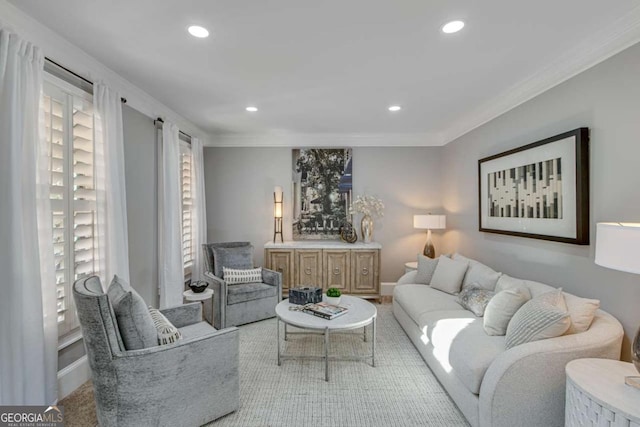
190, 382
241, 303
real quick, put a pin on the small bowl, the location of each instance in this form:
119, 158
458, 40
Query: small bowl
199, 286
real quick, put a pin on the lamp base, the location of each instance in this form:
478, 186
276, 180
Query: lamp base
635, 351
429, 250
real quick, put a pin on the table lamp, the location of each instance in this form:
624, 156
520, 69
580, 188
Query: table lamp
617, 246
429, 222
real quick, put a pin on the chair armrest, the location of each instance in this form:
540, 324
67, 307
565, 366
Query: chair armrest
270, 277
183, 315
408, 278
219, 287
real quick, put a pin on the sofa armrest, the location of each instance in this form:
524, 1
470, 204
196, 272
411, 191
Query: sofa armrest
527, 382
407, 278
183, 315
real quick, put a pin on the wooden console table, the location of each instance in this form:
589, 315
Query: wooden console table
352, 268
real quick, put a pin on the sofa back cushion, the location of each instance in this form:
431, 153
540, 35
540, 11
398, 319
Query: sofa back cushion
478, 273
449, 274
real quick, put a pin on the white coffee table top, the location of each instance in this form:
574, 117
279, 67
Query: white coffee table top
361, 313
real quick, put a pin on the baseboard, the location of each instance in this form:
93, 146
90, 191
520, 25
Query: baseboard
386, 288
72, 377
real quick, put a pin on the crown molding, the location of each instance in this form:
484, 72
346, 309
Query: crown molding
284, 139
61, 50
602, 45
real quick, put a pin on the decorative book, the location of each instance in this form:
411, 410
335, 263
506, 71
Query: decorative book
325, 310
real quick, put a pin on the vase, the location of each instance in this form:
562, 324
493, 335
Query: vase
366, 227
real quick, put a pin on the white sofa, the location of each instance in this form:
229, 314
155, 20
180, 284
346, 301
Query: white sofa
493, 385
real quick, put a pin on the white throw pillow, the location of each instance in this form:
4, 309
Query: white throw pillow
448, 275
167, 333
236, 276
478, 273
501, 309
426, 268
581, 311
543, 317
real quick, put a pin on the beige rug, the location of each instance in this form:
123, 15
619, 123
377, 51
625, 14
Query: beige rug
399, 391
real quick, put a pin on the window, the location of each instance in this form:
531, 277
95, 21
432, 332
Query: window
186, 180
68, 114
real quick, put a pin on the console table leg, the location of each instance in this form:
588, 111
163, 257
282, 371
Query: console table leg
326, 354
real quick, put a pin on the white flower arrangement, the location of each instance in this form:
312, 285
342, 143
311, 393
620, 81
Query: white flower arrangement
367, 205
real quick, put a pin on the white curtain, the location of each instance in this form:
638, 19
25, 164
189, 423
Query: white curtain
199, 218
110, 184
28, 319
171, 274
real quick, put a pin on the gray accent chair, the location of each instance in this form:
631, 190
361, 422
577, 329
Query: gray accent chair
239, 304
188, 383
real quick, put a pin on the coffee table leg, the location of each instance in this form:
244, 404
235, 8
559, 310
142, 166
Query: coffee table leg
365, 333
278, 337
285, 331
373, 344
326, 354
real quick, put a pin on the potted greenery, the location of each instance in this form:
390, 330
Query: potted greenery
333, 296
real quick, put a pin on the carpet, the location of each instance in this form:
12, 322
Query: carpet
399, 391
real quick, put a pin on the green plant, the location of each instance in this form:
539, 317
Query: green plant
333, 292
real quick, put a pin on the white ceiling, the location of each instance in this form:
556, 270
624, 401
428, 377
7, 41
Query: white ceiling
333, 67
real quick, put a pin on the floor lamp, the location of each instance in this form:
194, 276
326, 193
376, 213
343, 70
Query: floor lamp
429, 222
617, 246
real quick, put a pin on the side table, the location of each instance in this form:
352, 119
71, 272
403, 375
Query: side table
202, 297
410, 266
598, 396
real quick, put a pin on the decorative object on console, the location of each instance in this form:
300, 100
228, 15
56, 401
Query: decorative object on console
540, 190
322, 182
305, 295
198, 286
617, 248
333, 296
369, 207
348, 233
278, 199
429, 222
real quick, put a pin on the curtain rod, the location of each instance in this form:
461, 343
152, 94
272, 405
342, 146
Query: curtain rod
159, 119
124, 100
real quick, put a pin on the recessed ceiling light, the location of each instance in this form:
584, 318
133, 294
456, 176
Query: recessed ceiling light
452, 27
252, 109
395, 108
198, 31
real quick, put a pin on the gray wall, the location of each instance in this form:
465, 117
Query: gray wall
606, 99
239, 186
140, 158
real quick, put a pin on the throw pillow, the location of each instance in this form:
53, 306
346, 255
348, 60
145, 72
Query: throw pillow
167, 333
475, 298
448, 275
478, 273
235, 276
581, 311
426, 268
501, 309
543, 317
134, 321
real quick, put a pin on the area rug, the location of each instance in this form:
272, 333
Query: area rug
399, 391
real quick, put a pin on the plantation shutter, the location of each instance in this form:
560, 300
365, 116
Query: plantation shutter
186, 186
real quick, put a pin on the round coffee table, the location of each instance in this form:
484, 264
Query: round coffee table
360, 314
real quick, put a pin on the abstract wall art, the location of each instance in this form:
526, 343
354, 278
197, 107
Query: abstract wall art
540, 190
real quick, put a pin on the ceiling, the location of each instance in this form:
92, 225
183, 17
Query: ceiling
333, 67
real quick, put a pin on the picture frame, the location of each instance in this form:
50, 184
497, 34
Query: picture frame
322, 180
539, 191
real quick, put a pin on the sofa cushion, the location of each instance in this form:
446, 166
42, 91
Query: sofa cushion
545, 316
478, 273
502, 307
232, 257
426, 268
460, 344
132, 315
249, 292
449, 274
474, 298
419, 299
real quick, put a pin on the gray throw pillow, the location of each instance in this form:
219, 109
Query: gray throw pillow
426, 267
239, 257
448, 275
475, 298
134, 321
543, 317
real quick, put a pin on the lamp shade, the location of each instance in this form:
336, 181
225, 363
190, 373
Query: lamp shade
617, 246
431, 222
